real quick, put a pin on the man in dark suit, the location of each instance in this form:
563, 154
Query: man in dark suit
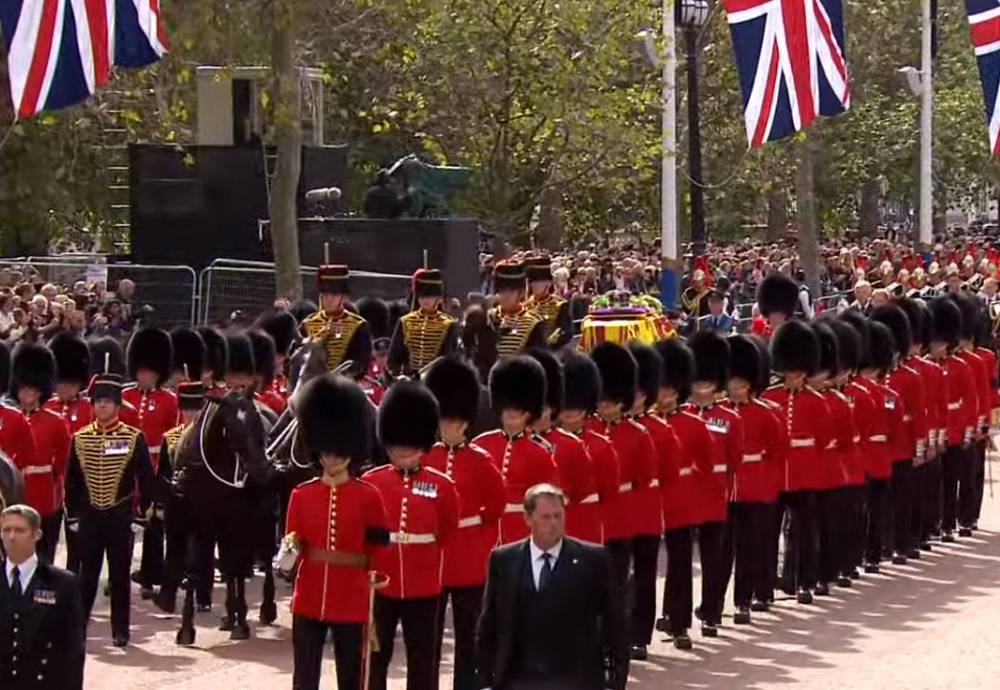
551, 618
42, 634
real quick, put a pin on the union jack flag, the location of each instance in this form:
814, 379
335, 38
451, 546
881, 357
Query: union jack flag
60, 51
792, 63
984, 24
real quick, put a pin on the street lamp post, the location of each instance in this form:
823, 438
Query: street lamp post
693, 15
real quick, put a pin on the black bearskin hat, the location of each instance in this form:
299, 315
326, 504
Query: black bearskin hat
765, 363
848, 343
777, 294
106, 356
455, 384
216, 352
33, 366
282, 328
926, 323
72, 359
650, 369
150, 348
189, 353
856, 320
678, 366
795, 347
744, 360
4, 367
397, 310
896, 321
335, 417
915, 315
376, 313
408, 416
829, 354
240, 351
555, 381
263, 354
711, 358
972, 314
947, 320
518, 383
883, 347
301, 308
619, 373
583, 382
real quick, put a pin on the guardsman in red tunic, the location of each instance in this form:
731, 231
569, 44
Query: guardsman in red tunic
422, 508
711, 377
337, 525
679, 487
481, 497
376, 313
283, 329
754, 488
795, 355
989, 357
517, 391
150, 359
637, 462
777, 300
583, 387
263, 366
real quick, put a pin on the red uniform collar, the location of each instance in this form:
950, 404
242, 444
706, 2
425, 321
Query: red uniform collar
109, 427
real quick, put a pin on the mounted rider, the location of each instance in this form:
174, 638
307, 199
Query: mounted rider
425, 333
345, 335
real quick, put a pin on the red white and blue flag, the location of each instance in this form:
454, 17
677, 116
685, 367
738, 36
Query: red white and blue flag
984, 23
792, 62
60, 51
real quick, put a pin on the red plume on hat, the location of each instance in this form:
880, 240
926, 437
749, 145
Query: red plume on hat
701, 264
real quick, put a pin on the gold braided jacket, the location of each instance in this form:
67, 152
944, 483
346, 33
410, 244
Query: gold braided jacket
338, 331
172, 438
104, 456
547, 309
423, 335
513, 330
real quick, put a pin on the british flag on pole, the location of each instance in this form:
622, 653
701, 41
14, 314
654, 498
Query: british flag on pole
792, 62
60, 51
984, 24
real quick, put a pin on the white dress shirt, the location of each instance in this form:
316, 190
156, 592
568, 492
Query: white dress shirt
25, 572
537, 561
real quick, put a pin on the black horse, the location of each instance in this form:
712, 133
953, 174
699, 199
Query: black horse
11, 483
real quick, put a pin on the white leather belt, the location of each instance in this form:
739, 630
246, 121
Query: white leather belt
473, 521
753, 457
655, 484
513, 508
879, 438
857, 439
592, 498
407, 538
627, 486
686, 471
955, 405
803, 442
718, 469
38, 469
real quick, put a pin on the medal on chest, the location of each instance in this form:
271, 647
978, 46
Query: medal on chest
425, 489
116, 447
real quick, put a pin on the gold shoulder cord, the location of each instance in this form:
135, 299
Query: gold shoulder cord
103, 473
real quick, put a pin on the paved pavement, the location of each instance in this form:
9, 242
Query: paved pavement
930, 625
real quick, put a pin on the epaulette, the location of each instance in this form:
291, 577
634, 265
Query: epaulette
130, 386
439, 473
471, 445
637, 425
483, 435
542, 442
774, 386
908, 368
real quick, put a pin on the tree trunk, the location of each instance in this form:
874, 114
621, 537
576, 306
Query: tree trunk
806, 205
286, 99
868, 216
777, 213
549, 231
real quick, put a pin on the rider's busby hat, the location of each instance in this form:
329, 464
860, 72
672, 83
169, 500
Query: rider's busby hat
189, 353
408, 416
150, 348
848, 344
678, 366
216, 352
538, 268
33, 366
897, 322
106, 386
777, 294
650, 369
336, 418
333, 279
711, 358
240, 360
829, 355
795, 348
455, 384
856, 320
518, 383
583, 382
376, 313
744, 360
883, 347
509, 276
283, 328
106, 356
619, 373
263, 354
947, 321
972, 314
428, 282
555, 380
72, 359
190, 395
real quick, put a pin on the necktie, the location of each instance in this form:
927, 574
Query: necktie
546, 575
15, 584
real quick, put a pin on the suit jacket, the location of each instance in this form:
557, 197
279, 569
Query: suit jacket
587, 604
50, 632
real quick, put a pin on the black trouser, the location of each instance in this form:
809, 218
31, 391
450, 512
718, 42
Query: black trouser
902, 492
72, 550
711, 539
934, 496
978, 479
420, 636
466, 603
309, 637
620, 551
746, 551
879, 505
852, 533
107, 532
46, 546
801, 562
956, 483
918, 504
830, 519
151, 565
645, 553
678, 596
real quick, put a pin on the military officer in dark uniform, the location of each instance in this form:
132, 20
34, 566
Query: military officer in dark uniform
346, 335
553, 310
516, 328
107, 461
425, 333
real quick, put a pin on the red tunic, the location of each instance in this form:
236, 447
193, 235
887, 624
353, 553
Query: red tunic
910, 442
373, 389
842, 446
334, 519
275, 395
990, 360
866, 418
755, 477
524, 460
45, 480
936, 388
681, 477
18, 443
667, 448
578, 480
807, 428
726, 428
157, 414
588, 520
78, 412
421, 508
481, 500
962, 400
981, 377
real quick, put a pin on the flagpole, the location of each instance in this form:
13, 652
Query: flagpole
926, 217
668, 180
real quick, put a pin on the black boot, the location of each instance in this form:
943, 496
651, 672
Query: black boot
872, 568
638, 652
822, 589
844, 581
682, 641
662, 624
742, 616
947, 537
804, 596
709, 630
965, 531
898, 559
759, 606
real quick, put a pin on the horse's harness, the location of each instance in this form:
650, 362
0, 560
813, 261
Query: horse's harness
240, 473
